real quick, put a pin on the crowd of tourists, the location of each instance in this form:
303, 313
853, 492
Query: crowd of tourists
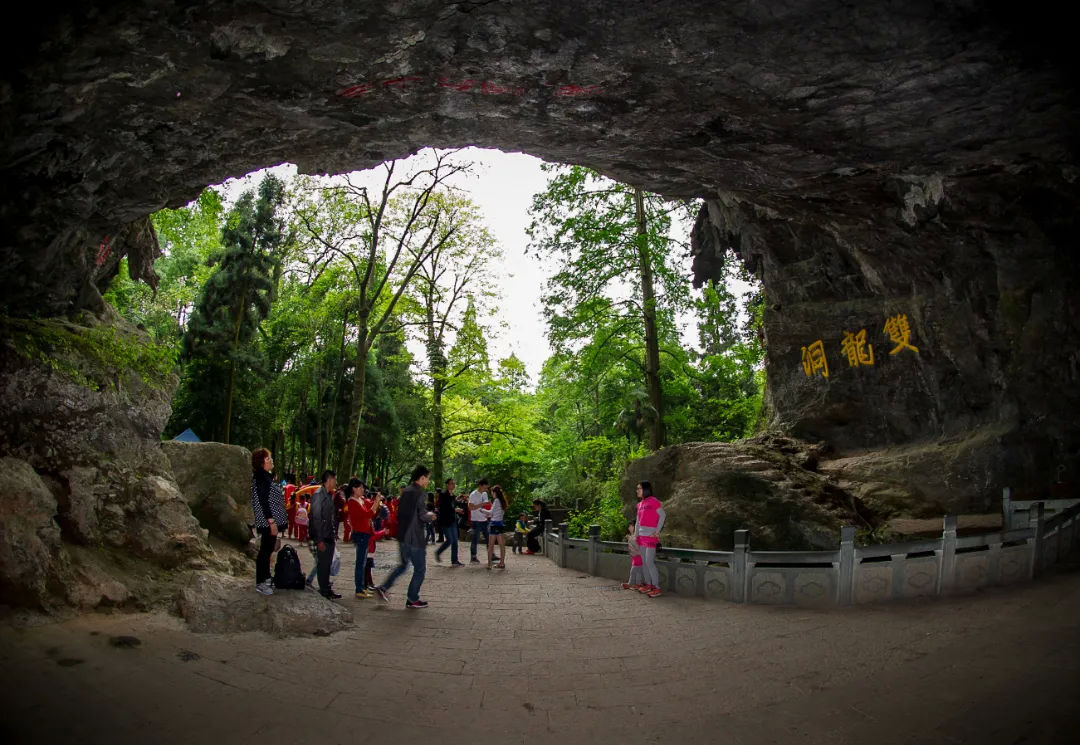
318, 512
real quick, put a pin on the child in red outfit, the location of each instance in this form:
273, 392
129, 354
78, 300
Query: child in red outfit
302, 520
376, 536
290, 508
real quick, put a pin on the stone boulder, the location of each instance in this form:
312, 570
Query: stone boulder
83, 466
712, 489
215, 479
217, 603
95, 584
30, 548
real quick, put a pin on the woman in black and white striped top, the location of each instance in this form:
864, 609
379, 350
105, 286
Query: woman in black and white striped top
268, 504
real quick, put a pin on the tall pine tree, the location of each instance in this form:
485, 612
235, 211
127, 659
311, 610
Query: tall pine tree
234, 301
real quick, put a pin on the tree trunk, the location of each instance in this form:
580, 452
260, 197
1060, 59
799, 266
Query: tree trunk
302, 434
337, 386
303, 458
348, 450
232, 362
652, 340
286, 443
320, 443
438, 441
437, 365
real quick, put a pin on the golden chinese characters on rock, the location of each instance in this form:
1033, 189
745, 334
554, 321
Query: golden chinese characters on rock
856, 349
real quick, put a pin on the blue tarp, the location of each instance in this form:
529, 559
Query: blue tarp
187, 436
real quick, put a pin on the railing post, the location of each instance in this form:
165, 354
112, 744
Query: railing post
564, 543
1006, 509
846, 581
898, 565
547, 532
1075, 529
738, 566
594, 547
947, 557
1035, 522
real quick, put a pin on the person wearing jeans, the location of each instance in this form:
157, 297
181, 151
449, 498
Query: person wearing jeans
448, 523
477, 504
360, 513
412, 515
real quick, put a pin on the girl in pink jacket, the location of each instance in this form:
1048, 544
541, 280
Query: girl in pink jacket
650, 521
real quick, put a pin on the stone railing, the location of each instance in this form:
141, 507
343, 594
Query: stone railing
1015, 513
844, 576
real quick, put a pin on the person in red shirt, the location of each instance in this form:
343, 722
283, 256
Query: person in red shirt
290, 506
360, 512
391, 520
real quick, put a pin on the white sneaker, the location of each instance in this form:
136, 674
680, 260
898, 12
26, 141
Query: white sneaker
264, 588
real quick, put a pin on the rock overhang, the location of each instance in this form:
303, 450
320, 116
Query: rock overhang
867, 162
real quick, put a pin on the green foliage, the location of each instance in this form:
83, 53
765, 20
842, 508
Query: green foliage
94, 356
234, 300
587, 224
606, 511
283, 319
188, 237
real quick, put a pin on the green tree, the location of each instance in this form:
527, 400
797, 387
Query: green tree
188, 236
237, 297
384, 234
601, 233
449, 282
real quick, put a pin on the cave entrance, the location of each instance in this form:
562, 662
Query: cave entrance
497, 205
888, 162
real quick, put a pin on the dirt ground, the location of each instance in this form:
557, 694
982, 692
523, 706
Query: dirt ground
537, 654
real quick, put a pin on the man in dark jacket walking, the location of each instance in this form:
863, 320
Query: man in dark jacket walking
322, 529
412, 514
448, 522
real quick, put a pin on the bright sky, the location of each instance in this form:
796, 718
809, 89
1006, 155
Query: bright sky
503, 186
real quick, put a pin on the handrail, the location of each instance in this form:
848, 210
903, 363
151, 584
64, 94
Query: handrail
851, 573
793, 557
892, 549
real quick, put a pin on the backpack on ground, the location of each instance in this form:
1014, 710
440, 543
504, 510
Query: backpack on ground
287, 572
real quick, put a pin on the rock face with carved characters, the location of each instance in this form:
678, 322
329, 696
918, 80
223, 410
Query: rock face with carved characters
902, 178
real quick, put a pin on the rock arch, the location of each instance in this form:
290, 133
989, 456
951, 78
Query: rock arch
868, 162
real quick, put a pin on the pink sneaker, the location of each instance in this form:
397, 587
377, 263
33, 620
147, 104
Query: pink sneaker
654, 592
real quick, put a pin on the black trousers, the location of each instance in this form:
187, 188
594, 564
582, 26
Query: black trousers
534, 544
325, 557
266, 550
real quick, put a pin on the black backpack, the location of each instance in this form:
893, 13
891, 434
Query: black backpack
287, 572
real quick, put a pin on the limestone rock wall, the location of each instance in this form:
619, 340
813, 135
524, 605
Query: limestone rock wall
766, 485
215, 479
89, 479
980, 395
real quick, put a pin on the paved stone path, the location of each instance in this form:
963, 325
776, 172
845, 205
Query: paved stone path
542, 655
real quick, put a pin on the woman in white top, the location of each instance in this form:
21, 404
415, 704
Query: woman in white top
496, 515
